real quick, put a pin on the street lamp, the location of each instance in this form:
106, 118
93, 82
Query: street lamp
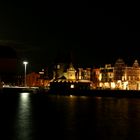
25, 63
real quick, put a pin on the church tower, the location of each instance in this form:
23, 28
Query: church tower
136, 64
71, 72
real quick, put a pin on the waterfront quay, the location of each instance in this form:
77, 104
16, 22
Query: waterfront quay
19, 89
73, 92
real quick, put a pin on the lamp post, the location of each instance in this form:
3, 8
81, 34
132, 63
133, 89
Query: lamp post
25, 63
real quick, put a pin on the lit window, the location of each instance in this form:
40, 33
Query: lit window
72, 86
58, 66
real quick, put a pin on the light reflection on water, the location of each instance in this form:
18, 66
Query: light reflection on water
23, 120
69, 117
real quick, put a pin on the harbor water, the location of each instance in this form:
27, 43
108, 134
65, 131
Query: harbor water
28, 116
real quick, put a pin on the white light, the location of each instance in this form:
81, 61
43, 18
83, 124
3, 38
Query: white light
113, 85
71, 86
25, 62
71, 96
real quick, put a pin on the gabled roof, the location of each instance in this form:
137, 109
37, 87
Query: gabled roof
63, 77
71, 67
136, 64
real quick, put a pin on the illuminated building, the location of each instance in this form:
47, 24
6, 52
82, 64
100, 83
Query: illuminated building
69, 80
104, 76
63, 73
107, 73
32, 79
132, 75
119, 69
95, 77
71, 73
80, 73
84, 74
88, 73
118, 77
59, 70
38, 79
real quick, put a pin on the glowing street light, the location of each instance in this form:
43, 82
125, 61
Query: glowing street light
25, 63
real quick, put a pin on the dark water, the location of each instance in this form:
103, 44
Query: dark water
28, 116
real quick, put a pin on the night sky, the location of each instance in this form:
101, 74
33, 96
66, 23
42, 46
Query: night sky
93, 36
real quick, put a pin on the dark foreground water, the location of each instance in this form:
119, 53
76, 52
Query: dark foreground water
28, 116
